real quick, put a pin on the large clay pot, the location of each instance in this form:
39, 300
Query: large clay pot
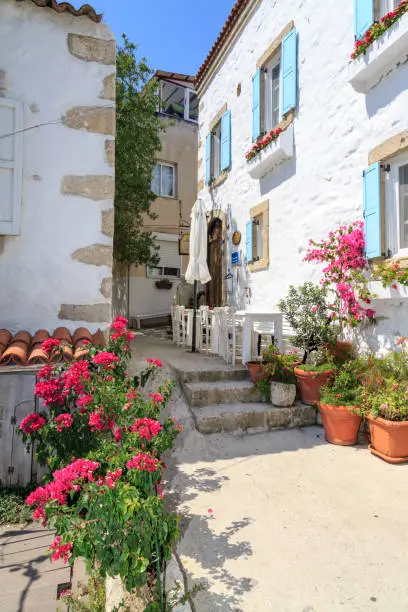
389, 439
256, 372
340, 425
343, 351
283, 395
310, 384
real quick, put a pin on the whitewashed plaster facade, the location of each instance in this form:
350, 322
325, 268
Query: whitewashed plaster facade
335, 127
60, 69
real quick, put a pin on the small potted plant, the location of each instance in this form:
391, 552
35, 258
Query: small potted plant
305, 309
385, 405
255, 369
280, 371
339, 404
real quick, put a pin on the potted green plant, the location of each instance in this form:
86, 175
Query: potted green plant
385, 405
339, 404
255, 369
280, 372
305, 309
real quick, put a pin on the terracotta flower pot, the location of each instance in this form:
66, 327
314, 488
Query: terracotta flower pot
310, 384
283, 395
389, 439
343, 351
340, 425
256, 373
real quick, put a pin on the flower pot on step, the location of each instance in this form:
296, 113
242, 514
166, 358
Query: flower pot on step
340, 425
310, 384
256, 371
389, 439
343, 351
283, 395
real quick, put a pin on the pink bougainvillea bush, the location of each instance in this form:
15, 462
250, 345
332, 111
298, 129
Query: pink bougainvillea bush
346, 272
103, 439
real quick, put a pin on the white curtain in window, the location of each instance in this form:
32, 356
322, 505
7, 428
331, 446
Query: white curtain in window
156, 179
167, 181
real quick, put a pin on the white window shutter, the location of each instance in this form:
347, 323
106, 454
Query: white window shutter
11, 166
169, 254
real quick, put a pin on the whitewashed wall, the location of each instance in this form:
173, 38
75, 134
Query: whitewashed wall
37, 272
335, 128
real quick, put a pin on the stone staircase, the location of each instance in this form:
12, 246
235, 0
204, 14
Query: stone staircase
224, 400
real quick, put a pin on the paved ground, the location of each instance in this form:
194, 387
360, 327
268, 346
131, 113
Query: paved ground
28, 580
284, 521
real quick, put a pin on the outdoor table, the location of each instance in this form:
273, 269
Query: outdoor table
249, 318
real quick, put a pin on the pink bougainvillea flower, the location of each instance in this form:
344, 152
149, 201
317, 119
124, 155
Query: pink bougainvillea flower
112, 477
210, 511
50, 344
143, 462
100, 421
117, 434
32, 422
84, 400
157, 397
132, 394
45, 372
50, 391
146, 428
60, 551
63, 421
105, 358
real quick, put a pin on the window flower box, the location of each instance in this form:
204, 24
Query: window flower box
278, 151
388, 293
384, 54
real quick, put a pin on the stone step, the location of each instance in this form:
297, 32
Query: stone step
221, 392
211, 375
252, 417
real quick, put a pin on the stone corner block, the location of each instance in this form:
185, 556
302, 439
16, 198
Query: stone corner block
110, 152
92, 186
92, 313
95, 254
107, 287
96, 119
108, 222
108, 91
92, 49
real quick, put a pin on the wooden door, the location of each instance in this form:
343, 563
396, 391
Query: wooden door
214, 287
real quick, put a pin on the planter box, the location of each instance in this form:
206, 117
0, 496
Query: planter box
388, 293
382, 56
389, 439
273, 155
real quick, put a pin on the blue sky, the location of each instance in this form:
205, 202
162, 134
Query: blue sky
174, 36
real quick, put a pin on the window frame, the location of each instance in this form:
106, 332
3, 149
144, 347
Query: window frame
267, 97
12, 227
174, 168
259, 215
392, 206
386, 6
216, 151
187, 100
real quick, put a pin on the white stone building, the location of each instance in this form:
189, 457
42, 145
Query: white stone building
280, 63
57, 124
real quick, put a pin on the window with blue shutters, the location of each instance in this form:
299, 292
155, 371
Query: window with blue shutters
226, 141
208, 158
289, 72
256, 104
372, 210
363, 17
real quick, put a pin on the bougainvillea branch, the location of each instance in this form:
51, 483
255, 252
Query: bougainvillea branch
262, 144
378, 29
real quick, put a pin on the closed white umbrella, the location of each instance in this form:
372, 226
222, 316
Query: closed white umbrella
197, 270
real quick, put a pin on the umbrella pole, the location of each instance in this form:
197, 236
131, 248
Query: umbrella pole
194, 338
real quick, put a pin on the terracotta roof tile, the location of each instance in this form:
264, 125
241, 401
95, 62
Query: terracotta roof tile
233, 17
22, 349
62, 7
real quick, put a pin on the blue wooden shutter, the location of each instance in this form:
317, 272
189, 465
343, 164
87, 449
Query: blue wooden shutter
363, 17
289, 72
208, 158
249, 243
256, 105
372, 210
226, 141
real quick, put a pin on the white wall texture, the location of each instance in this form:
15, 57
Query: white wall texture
37, 273
335, 128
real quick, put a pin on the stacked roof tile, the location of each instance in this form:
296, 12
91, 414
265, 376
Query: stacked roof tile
22, 349
62, 7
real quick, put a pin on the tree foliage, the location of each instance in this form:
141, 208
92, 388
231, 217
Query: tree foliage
138, 130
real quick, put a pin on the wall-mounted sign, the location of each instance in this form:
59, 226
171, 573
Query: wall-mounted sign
236, 238
184, 244
235, 258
